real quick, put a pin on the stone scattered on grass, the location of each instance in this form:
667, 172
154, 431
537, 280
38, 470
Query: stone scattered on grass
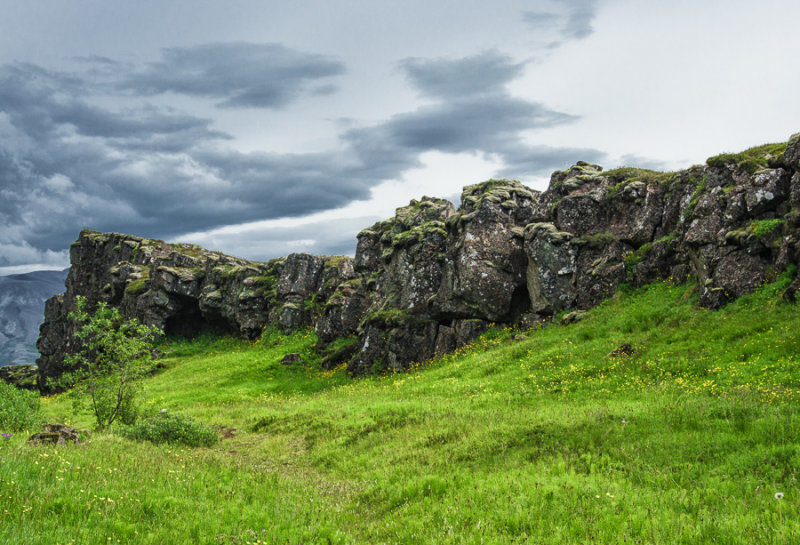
622, 351
57, 434
293, 359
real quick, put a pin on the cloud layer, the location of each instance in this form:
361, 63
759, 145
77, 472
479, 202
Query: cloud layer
243, 75
90, 149
570, 19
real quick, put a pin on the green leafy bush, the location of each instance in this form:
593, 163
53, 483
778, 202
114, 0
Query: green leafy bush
114, 356
19, 409
173, 429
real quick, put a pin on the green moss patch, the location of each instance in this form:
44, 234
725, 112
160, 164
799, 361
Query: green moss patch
752, 159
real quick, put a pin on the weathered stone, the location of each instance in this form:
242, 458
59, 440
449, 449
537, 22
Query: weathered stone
293, 359
25, 377
795, 189
572, 317
792, 153
635, 212
581, 173
767, 189
186, 290
339, 356
551, 268
622, 351
484, 274
468, 329
531, 320
446, 340
580, 214
393, 346
790, 293
658, 263
56, 434
736, 274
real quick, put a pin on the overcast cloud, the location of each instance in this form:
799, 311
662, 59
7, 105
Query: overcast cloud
229, 127
244, 75
156, 171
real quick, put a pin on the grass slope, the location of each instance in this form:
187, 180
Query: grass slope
535, 437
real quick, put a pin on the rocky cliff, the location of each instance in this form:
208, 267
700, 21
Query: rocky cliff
432, 277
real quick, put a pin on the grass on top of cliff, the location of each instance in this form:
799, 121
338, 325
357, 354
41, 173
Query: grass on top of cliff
535, 437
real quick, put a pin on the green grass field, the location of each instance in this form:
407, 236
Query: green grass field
523, 437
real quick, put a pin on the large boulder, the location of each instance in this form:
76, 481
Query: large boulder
56, 434
551, 271
792, 153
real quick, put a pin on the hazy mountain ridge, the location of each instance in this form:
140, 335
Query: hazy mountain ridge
22, 298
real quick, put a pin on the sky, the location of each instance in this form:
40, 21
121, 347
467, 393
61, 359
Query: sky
260, 128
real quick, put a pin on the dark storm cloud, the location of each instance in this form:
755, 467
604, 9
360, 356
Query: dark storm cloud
66, 162
241, 74
488, 72
579, 21
69, 159
47, 104
475, 114
570, 19
490, 125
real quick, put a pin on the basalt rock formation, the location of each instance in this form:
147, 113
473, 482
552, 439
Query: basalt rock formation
185, 290
25, 377
433, 277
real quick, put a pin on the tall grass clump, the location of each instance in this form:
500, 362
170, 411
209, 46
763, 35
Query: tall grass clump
174, 429
19, 409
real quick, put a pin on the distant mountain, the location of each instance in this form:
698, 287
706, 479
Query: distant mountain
22, 298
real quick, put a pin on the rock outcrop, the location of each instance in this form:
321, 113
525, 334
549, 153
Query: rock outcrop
25, 377
185, 290
433, 277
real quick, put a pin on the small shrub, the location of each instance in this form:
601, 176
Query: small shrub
19, 409
172, 429
635, 257
113, 357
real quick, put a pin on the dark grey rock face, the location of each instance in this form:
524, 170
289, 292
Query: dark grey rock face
433, 277
185, 290
24, 377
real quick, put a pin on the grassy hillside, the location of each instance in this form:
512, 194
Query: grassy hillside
533, 437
